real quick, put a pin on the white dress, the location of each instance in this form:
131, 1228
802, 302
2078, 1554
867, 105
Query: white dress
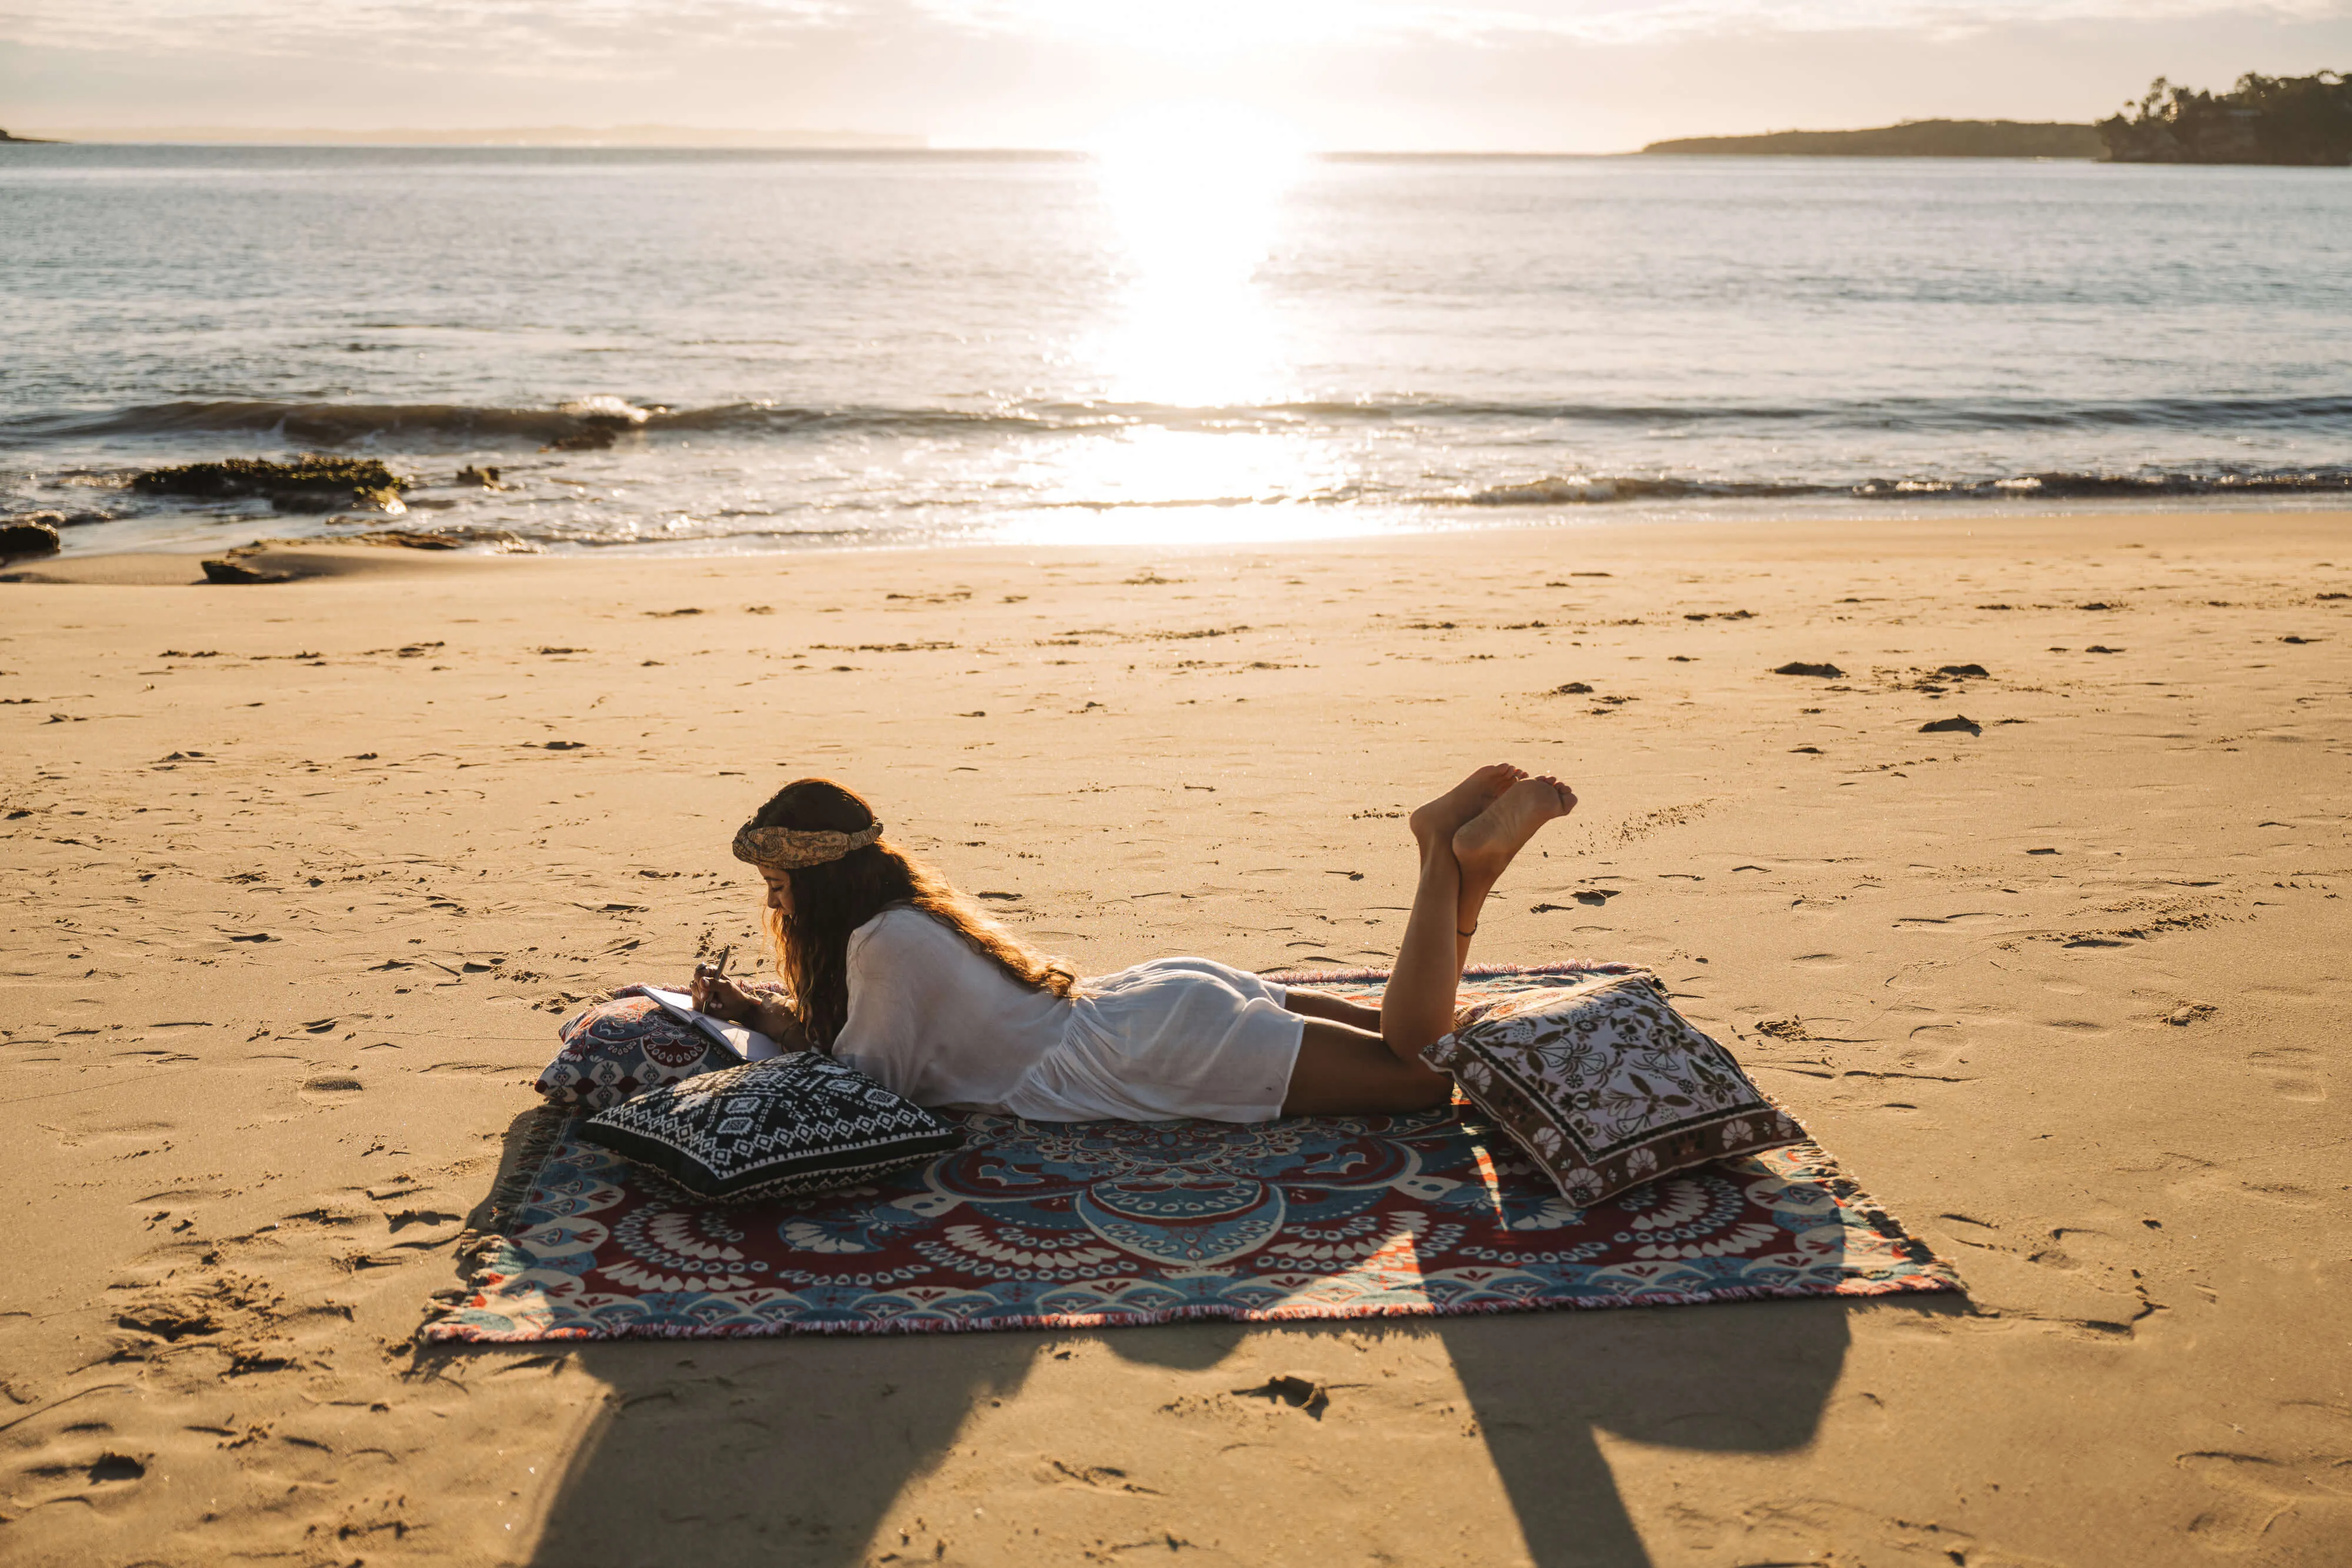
936, 1022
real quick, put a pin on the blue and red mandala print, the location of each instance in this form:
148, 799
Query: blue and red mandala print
1100, 1224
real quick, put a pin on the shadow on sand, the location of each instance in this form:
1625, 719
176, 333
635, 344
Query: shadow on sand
794, 1450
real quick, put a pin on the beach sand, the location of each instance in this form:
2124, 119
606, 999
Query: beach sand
305, 873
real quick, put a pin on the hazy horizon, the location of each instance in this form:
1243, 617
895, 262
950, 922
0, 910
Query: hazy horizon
678, 138
1538, 75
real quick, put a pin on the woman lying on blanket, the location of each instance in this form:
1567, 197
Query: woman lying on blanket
896, 975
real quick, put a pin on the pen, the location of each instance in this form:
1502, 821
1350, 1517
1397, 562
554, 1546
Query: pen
716, 970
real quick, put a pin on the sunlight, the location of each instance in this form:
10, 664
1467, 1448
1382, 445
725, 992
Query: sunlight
1151, 466
1195, 197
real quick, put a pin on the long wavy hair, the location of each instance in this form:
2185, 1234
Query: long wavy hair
831, 900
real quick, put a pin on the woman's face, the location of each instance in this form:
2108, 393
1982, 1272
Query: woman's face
779, 891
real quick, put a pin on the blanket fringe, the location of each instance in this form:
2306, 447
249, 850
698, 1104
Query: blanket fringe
500, 1215
1855, 1288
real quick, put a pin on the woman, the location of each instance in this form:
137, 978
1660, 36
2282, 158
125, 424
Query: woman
895, 973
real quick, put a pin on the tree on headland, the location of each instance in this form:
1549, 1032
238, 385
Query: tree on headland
2263, 120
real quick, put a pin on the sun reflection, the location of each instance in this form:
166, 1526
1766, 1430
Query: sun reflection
1192, 350
1195, 197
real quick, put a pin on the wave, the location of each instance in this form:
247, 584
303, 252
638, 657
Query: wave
1926, 414
1582, 489
597, 421
603, 420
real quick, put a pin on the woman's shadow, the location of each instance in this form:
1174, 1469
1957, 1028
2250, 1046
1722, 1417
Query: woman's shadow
794, 1450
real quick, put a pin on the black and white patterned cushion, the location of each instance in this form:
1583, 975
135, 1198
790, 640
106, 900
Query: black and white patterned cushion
800, 1122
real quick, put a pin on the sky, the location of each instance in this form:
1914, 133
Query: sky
1475, 75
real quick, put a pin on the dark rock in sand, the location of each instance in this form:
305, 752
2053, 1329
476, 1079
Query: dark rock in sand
1958, 721
1976, 670
1827, 672
33, 534
306, 484
1298, 1393
231, 571
1573, 689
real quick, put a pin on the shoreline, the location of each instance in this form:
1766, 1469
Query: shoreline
313, 871
160, 567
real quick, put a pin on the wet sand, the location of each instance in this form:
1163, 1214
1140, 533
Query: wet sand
306, 873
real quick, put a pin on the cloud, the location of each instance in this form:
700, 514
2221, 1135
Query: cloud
580, 31
543, 31
1572, 75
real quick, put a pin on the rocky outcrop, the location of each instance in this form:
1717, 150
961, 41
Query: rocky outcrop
305, 484
236, 571
29, 534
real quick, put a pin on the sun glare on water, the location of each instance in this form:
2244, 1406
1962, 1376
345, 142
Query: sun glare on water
1195, 201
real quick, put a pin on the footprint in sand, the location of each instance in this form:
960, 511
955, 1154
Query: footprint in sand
2294, 1072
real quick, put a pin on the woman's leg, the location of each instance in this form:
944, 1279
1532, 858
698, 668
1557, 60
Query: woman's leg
1467, 837
1461, 857
1418, 1005
1485, 846
1346, 1072
1335, 1009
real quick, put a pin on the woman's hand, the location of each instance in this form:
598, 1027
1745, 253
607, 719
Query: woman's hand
724, 998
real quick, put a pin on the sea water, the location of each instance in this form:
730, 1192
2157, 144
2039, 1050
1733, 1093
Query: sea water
732, 350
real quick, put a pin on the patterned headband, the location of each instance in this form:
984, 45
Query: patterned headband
784, 847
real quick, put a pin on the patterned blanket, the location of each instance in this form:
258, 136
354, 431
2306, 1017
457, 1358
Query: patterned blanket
1107, 1224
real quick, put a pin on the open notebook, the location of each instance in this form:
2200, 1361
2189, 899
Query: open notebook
748, 1043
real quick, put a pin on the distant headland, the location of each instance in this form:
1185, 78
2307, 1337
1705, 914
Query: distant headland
43, 139
2262, 120
1911, 138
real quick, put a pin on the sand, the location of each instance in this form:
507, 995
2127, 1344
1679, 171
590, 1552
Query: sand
304, 873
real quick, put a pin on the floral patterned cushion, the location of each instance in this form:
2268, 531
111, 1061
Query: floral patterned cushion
1607, 1087
619, 1048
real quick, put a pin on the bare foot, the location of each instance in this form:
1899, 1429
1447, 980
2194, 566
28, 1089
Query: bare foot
1484, 845
1438, 821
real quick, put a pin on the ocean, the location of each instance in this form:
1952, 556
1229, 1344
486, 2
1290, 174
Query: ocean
755, 351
